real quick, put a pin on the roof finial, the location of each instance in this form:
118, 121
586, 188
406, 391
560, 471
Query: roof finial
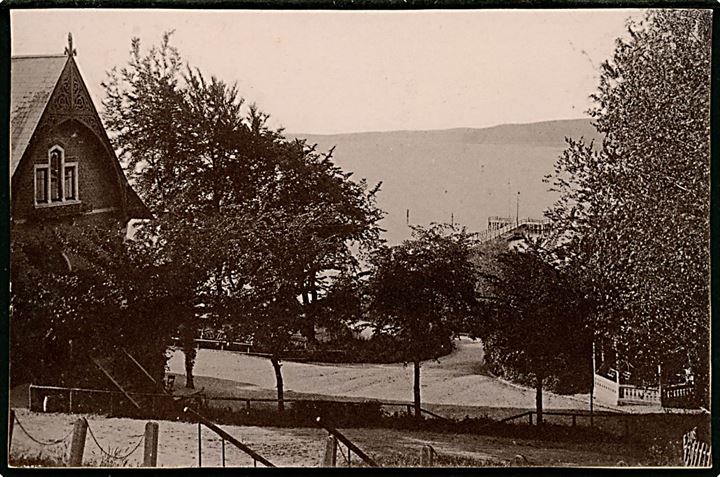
69, 50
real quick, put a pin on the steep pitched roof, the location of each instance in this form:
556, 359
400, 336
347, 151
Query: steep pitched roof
33, 79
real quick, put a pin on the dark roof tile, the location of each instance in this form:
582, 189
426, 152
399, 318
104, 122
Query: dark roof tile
33, 79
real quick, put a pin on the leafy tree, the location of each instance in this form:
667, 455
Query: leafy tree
262, 223
101, 307
533, 327
192, 154
634, 210
421, 292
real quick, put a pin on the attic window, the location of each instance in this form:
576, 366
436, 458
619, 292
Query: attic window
57, 181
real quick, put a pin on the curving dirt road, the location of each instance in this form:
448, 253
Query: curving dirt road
454, 379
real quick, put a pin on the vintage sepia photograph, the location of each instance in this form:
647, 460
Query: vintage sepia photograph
379, 238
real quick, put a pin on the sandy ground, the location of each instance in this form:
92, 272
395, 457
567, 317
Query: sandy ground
177, 442
303, 447
455, 379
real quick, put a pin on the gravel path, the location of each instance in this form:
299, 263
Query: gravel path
454, 379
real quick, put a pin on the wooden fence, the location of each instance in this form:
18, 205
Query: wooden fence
203, 343
203, 421
696, 453
77, 437
334, 438
82, 400
623, 425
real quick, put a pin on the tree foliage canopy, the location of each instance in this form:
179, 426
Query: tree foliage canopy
534, 322
101, 307
634, 210
264, 224
423, 290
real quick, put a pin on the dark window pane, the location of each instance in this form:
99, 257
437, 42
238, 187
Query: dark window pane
70, 178
55, 184
41, 185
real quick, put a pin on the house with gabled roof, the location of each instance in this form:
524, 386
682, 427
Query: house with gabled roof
62, 165
64, 173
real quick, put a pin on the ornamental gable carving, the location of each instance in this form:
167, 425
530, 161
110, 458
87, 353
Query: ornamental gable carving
71, 100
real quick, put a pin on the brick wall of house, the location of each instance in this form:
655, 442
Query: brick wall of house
98, 187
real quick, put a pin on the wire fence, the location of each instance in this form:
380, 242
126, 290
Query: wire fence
119, 454
37, 440
115, 456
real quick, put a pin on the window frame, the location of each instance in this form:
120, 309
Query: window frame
71, 165
63, 200
45, 168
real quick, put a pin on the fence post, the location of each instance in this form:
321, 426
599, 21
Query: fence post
12, 428
70, 401
199, 445
30, 388
330, 458
426, 456
151, 444
78, 443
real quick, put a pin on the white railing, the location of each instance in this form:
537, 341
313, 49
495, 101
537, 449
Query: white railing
638, 395
678, 391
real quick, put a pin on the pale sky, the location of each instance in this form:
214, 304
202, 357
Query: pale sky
347, 71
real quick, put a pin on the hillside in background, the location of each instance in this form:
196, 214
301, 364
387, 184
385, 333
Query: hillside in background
470, 174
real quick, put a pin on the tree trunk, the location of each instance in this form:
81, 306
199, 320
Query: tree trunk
279, 380
538, 400
190, 354
416, 389
313, 318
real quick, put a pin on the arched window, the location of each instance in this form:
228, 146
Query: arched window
57, 181
56, 160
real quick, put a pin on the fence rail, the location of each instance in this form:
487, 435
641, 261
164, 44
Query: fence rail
227, 437
575, 418
206, 343
109, 402
348, 443
70, 401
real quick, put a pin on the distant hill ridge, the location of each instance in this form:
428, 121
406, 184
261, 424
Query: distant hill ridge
543, 133
461, 174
